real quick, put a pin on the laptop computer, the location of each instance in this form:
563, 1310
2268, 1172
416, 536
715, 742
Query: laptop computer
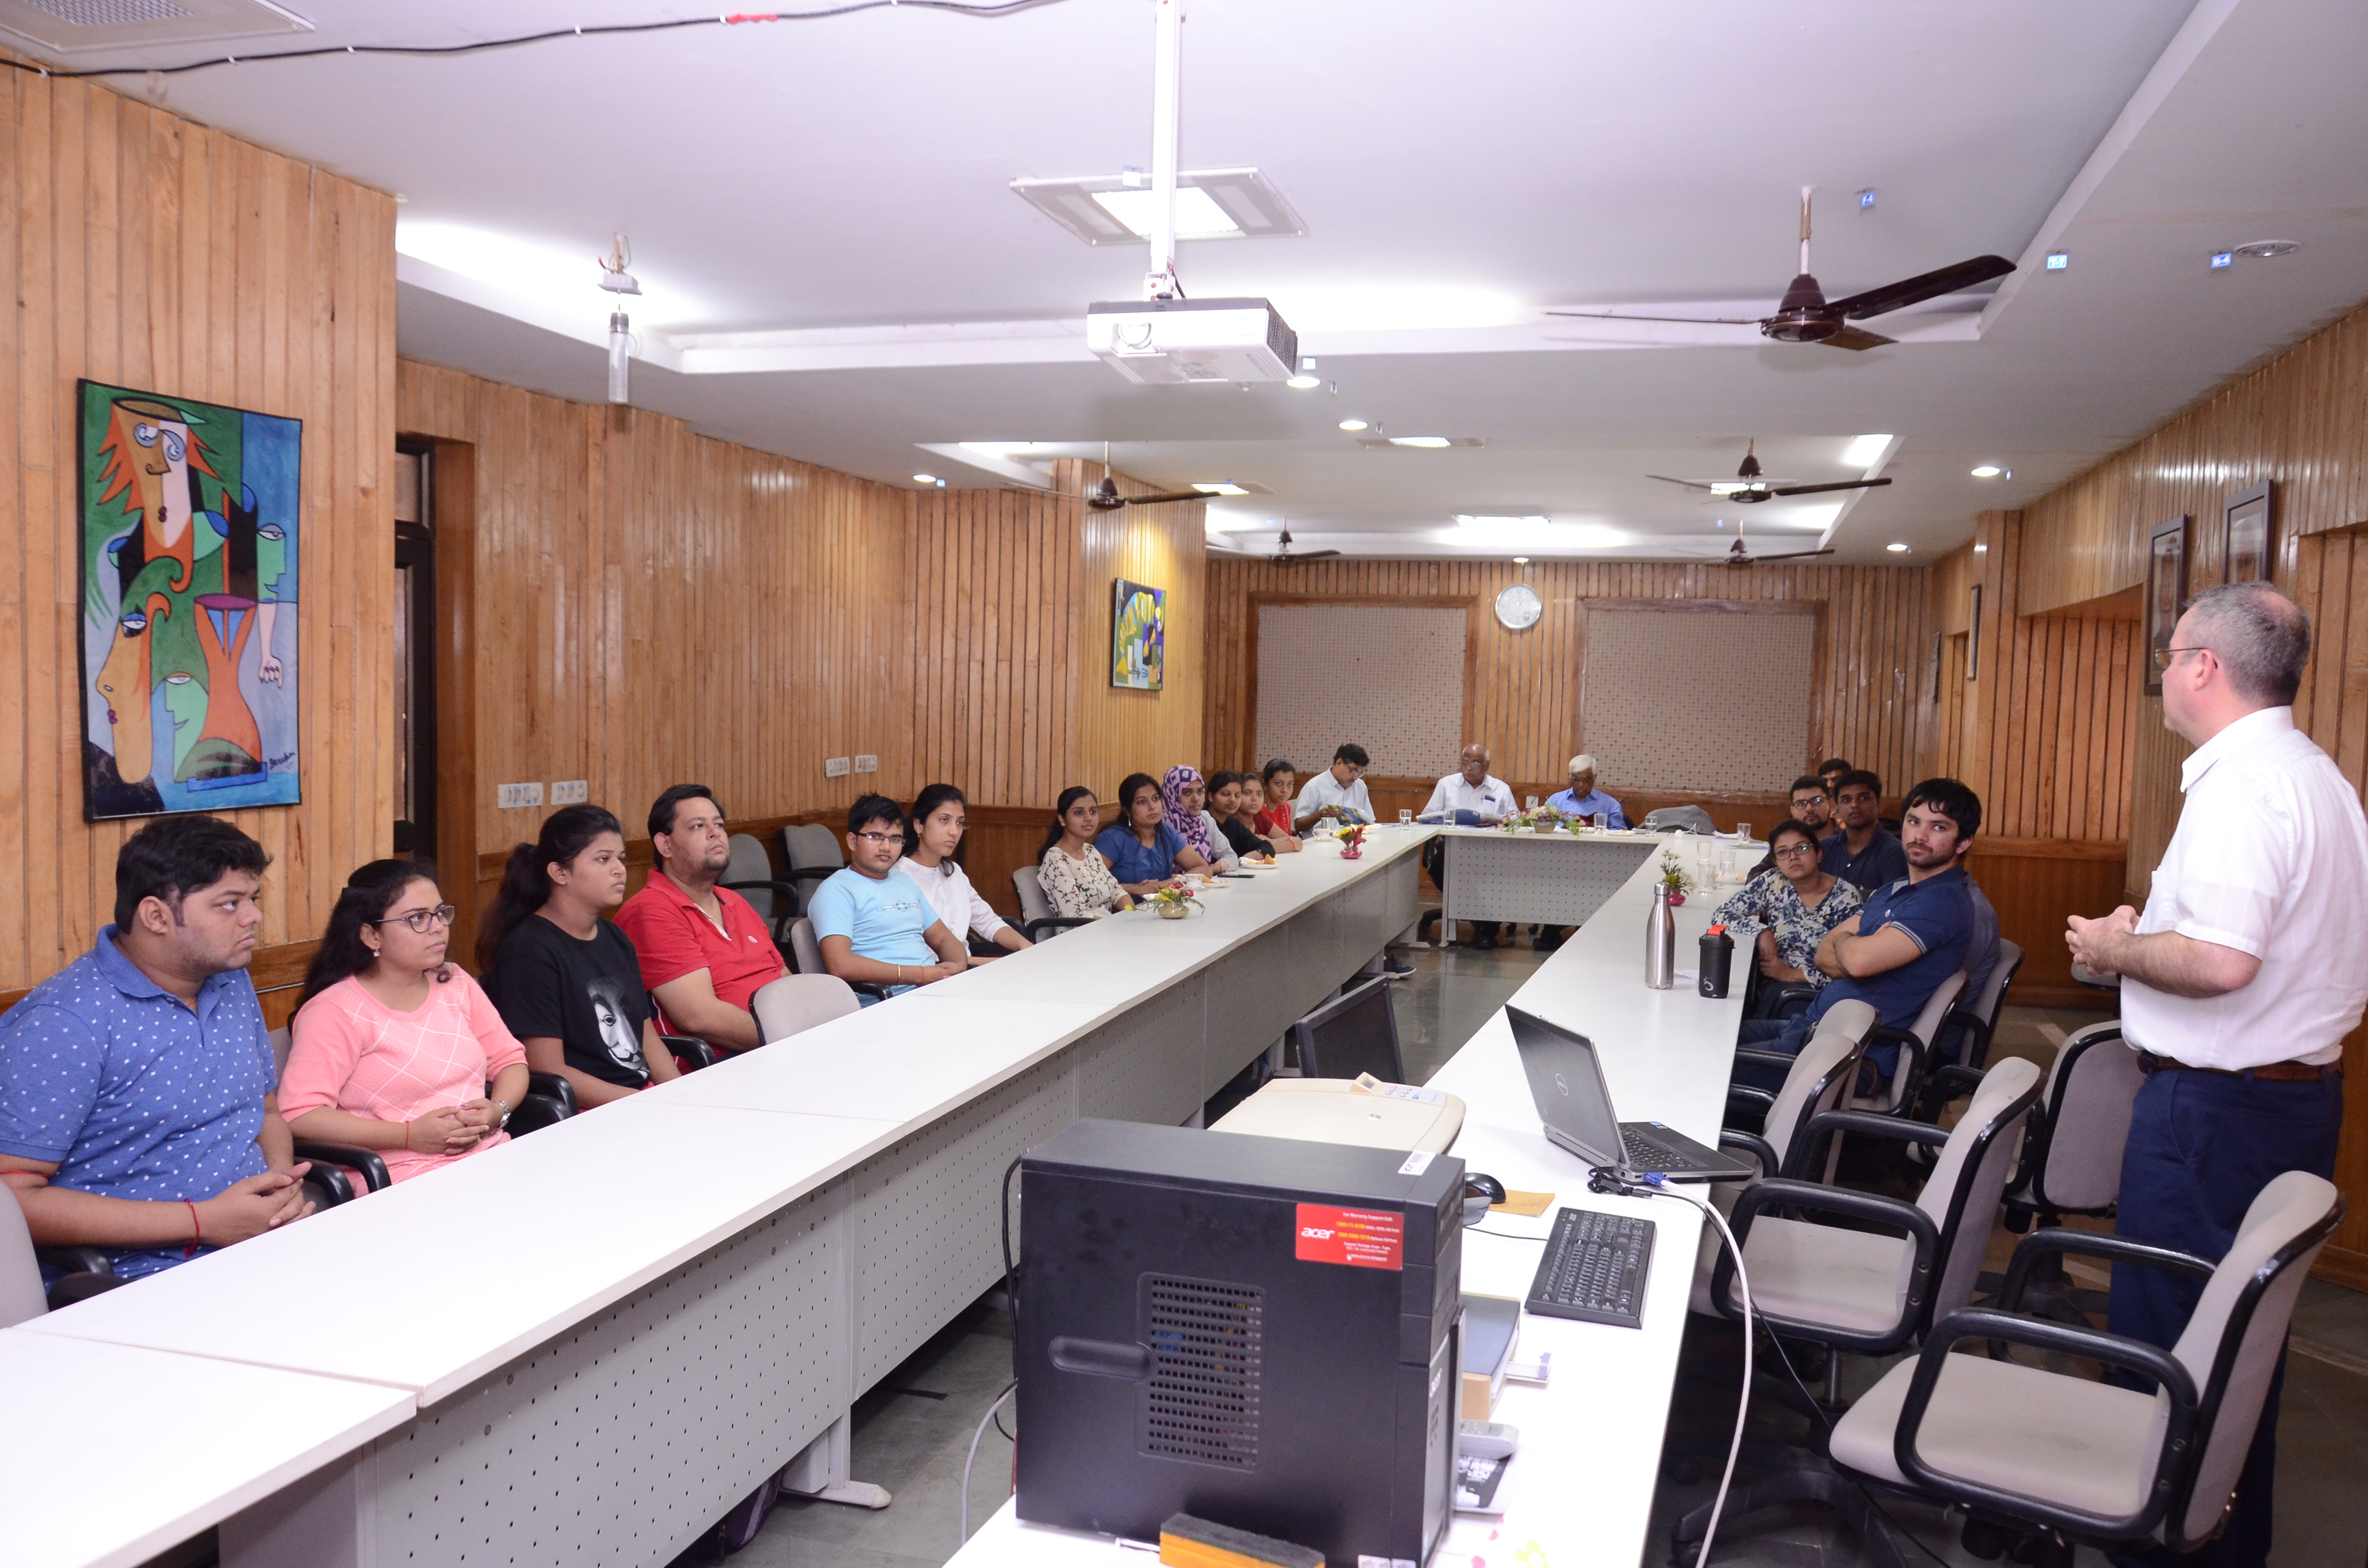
1567, 1081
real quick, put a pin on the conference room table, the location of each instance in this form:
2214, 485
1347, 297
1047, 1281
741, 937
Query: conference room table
1580, 1489
589, 1342
1560, 878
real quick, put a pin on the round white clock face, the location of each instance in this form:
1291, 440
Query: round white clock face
1518, 607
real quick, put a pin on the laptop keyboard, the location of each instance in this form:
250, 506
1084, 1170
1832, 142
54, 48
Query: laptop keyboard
1647, 1154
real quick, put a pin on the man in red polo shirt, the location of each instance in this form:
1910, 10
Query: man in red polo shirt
704, 952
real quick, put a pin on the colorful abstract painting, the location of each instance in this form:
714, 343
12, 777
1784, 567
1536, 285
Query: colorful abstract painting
188, 604
1138, 637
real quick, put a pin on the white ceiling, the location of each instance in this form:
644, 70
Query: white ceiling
837, 272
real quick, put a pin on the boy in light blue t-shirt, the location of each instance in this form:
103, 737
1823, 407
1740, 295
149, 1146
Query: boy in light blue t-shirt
872, 922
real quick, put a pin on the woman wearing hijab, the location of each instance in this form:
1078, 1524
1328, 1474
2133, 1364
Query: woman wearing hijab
1187, 798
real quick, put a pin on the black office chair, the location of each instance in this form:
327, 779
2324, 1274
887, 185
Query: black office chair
1355, 1032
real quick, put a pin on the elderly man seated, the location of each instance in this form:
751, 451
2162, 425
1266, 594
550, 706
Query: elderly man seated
1583, 799
1473, 797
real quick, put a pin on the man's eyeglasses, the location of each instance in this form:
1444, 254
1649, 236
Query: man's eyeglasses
882, 837
423, 920
2166, 657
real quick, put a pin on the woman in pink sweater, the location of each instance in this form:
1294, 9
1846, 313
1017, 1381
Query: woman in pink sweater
392, 1046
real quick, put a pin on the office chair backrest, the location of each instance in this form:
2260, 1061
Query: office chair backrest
1691, 819
750, 864
1033, 903
805, 947
811, 845
796, 1003
1968, 1181
2232, 1344
1984, 1004
280, 1039
1819, 1077
2091, 1089
21, 1296
1355, 1032
1894, 1094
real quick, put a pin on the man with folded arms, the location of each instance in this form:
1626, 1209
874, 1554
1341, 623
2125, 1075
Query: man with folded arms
2238, 983
137, 1108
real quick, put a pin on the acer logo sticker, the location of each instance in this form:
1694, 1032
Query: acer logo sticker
1360, 1238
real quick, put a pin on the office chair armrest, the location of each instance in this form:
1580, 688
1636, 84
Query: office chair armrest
80, 1286
75, 1259
1031, 929
811, 873
1759, 1148
2120, 1249
1785, 999
689, 1047
790, 902
1890, 1213
1808, 1145
1919, 1053
353, 1157
535, 1112
2110, 1349
1764, 1100
1977, 1034
553, 1086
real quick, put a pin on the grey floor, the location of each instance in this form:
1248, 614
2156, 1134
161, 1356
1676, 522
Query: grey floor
915, 1445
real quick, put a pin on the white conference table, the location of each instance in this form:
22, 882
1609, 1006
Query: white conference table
1582, 1487
1560, 878
600, 1337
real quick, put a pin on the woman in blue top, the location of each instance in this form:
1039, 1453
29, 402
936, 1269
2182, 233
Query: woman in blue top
1142, 848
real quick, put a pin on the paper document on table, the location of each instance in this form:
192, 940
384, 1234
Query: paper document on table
1528, 1204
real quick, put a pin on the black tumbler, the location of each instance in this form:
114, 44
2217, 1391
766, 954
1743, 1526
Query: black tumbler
1717, 960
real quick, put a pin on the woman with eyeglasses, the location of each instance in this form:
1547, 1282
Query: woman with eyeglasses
392, 1046
1793, 905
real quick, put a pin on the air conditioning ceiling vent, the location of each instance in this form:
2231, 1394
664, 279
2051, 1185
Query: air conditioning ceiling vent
85, 27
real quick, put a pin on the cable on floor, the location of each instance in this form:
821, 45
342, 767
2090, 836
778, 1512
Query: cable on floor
974, 1439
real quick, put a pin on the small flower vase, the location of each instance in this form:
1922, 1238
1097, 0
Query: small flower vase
1353, 852
1676, 897
1173, 911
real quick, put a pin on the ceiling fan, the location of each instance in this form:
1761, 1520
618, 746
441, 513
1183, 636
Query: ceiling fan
1282, 555
1739, 554
1749, 489
1806, 315
1104, 498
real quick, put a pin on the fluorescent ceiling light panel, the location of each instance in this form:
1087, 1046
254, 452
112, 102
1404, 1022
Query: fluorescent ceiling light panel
1471, 521
1864, 451
1211, 204
1428, 443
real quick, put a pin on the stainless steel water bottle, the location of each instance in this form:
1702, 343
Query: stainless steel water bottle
1661, 942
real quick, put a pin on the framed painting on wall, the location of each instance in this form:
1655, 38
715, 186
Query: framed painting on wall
2251, 534
1138, 636
188, 535
2166, 593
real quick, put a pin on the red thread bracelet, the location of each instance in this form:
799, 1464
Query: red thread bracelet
197, 1236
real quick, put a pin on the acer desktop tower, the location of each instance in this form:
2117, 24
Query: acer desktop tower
1256, 1331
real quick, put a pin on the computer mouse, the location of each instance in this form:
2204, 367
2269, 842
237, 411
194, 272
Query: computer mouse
1480, 1190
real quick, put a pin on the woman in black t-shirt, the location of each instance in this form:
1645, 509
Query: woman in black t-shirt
568, 982
1227, 805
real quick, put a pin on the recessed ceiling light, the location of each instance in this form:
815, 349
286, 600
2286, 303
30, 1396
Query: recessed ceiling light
1303, 381
1211, 204
1222, 487
1521, 561
2264, 250
1353, 424
924, 479
1470, 520
2058, 260
1897, 549
1864, 450
1427, 442
1991, 471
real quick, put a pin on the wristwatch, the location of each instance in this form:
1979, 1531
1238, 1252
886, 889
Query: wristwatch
505, 1114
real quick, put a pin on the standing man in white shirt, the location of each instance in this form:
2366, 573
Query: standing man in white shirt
2238, 983
1472, 787
1337, 793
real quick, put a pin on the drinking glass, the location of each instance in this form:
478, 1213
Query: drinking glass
1405, 816
1602, 822
1533, 803
1743, 831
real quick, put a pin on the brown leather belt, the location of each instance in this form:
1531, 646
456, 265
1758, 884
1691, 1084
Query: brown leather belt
2275, 1072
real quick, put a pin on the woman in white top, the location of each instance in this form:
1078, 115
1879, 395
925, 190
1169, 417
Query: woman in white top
1076, 879
932, 834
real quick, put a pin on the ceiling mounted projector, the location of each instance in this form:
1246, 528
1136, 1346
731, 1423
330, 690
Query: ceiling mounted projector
1162, 341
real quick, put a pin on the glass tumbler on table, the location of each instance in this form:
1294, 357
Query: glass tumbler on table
1532, 802
1405, 816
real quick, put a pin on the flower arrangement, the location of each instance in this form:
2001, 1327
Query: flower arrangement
1674, 877
1352, 842
1174, 900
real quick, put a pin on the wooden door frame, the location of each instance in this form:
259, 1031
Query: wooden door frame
1820, 655
1468, 603
452, 481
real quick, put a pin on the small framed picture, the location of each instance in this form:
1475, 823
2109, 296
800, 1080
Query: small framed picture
2251, 535
2166, 593
1974, 638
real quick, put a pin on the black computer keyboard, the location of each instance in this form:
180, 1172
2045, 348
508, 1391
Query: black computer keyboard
1595, 1268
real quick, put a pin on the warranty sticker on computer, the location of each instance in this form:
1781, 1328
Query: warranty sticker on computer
1361, 1238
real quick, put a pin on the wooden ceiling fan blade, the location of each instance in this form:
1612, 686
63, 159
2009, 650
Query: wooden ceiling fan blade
1162, 500
1688, 484
1797, 555
1856, 338
1837, 485
1680, 320
1923, 286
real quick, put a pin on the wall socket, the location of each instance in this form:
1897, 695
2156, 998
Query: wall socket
835, 767
867, 765
570, 792
513, 796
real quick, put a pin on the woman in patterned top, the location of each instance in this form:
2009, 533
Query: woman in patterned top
1793, 905
1074, 874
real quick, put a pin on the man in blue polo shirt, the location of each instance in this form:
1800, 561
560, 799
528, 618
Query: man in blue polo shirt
1862, 854
874, 926
137, 1104
1907, 937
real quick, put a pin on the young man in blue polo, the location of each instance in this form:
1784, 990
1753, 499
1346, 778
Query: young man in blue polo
137, 1095
1910, 935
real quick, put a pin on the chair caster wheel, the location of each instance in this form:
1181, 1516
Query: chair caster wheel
1681, 1470
1986, 1541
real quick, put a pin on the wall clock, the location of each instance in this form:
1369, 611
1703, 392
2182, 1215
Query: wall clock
1518, 607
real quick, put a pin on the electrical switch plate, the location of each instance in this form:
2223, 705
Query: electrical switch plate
867, 765
835, 767
513, 796
570, 792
